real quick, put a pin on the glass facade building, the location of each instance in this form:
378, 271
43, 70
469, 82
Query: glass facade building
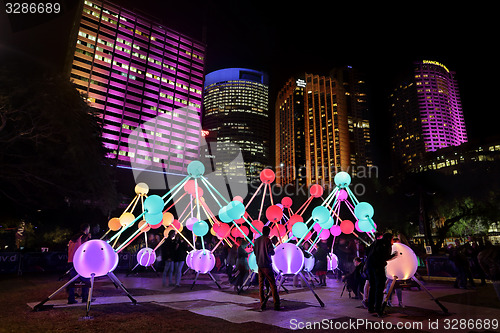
427, 114
236, 116
146, 82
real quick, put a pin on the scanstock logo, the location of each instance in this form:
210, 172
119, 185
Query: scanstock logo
223, 161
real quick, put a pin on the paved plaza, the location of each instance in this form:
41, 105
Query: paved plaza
467, 311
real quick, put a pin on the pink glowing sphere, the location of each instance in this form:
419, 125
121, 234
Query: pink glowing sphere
95, 257
237, 233
288, 258
342, 195
267, 176
335, 230
347, 227
324, 234
278, 231
146, 257
238, 198
203, 261
190, 221
404, 265
222, 229
286, 202
294, 219
316, 190
259, 225
274, 213
332, 261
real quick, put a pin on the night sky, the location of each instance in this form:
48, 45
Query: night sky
288, 38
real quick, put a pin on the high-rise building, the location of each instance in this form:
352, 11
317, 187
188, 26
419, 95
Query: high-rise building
236, 115
145, 80
426, 114
327, 147
290, 159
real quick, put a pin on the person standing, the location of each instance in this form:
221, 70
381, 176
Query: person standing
180, 252
264, 249
241, 265
375, 265
167, 254
74, 243
321, 266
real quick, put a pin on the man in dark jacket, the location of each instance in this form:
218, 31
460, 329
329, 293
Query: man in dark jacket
380, 253
264, 249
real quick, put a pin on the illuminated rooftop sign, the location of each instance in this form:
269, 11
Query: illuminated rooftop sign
300, 83
435, 63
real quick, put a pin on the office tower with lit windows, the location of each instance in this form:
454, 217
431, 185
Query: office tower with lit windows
290, 133
236, 115
142, 78
426, 114
327, 147
356, 94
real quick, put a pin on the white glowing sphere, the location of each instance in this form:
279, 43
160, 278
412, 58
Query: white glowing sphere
146, 257
404, 265
332, 262
95, 257
309, 264
203, 261
141, 188
288, 259
189, 258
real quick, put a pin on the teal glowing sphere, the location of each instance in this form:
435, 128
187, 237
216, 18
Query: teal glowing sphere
252, 263
342, 179
365, 225
200, 228
195, 169
153, 204
153, 219
223, 216
363, 210
321, 214
299, 229
328, 223
235, 210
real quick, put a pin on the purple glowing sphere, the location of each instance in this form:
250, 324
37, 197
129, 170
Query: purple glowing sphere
288, 259
203, 261
146, 257
95, 257
332, 261
309, 264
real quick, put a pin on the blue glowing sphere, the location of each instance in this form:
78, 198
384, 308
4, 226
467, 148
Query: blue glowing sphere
195, 169
223, 216
235, 210
288, 259
95, 257
299, 229
342, 179
153, 204
321, 214
153, 219
200, 228
363, 210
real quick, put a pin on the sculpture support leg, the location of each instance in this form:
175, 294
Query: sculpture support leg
445, 310
195, 278
39, 305
389, 293
308, 286
213, 279
118, 283
89, 299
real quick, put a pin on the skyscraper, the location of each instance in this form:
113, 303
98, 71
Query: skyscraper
427, 114
236, 115
145, 80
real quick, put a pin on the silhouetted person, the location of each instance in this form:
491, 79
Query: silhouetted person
74, 243
241, 265
264, 249
167, 254
376, 261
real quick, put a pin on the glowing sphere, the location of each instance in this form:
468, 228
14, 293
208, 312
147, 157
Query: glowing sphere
335, 230
168, 218
190, 221
288, 259
328, 224
404, 265
153, 204
95, 257
365, 225
321, 214
363, 209
332, 261
141, 188
342, 195
279, 230
299, 229
286, 202
259, 225
222, 229
114, 224
126, 219
342, 179
294, 219
267, 176
189, 258
223, 216
203, 261
146, 257
316, 190
153, 219
324, 234
141, 224
347, 227
195, 169
309, 263
274, 213
237, 233
252, 263
238, 198
176, 224
200, 228
235, 210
